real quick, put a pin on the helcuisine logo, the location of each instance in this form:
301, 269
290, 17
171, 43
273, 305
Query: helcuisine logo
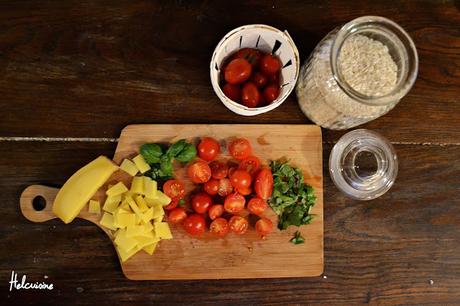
23, 284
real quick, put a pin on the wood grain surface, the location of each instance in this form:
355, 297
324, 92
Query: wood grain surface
88, 68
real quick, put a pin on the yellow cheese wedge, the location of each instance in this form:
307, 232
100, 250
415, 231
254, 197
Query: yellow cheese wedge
150, 248
150, 188
137, 185
134, 230
122, 220
144, 241
129, 167
81, 187
107, 221
160, 199
141, 164
118, 189
94, 207
158, 212
111, 203
124, 242
141, 203
162, 230
124, 256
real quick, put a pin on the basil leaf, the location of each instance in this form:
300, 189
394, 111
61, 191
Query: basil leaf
176, 148
166, 166
187, 154
151, 152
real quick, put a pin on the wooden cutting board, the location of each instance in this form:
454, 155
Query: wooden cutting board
245, 256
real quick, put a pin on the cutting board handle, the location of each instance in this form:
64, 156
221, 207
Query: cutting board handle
36, 203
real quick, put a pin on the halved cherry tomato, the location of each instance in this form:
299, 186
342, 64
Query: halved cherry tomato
219, 169
225, 187
211, 187
253, 56
250, 164
259, 79
244, 191
241, 179
263, 184
199, 172
240, 148
215, 211
250, 95
194, 224
264, 226
237, 71
201, 202
208, 148
238, 225
234, 203
269, 65
177, 215
233, 92
174, 189
219, 227
271, 92
257, 206
173, 204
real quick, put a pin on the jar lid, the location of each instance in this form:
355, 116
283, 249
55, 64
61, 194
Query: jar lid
363, 164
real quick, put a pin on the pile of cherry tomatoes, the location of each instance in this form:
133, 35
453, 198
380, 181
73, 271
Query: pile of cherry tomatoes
226, 191
251, 77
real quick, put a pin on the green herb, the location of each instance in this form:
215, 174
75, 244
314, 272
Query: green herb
181, 203
151, 152
297, 239
161, 164
292, 199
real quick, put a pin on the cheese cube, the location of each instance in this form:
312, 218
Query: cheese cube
158, 212
136, 209
150, 248
124, 256
160, 199
129, 167
111, 203
144, 241
162, 230
141, 203
137, 185
141, 164
124, 242
107, 221
117, 189
148, 215
94, 207
150, 188
123, 220
134, 230
148, 227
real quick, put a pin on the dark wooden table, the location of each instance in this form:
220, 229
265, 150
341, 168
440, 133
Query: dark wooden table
74, 73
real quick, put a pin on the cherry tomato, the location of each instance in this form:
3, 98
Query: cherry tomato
263, 184
250, 164
194, 224
274, 79
173, 204
219, 227
269, 65
259, 79
244, 191
271, 92
177, 215
253, 56
240, 148
225, 187
201, 202
208, 148
215, 211
237, 71
264, 226
199, 172
240, 179
231, 170
238, 225
250, 95
219, 169
211, 187
234, 203
233, 92
174, 189
257, 206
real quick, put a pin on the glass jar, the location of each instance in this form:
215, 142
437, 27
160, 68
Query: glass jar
323, 93
363, 164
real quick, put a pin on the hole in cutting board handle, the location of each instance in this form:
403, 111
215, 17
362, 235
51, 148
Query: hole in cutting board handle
39, 203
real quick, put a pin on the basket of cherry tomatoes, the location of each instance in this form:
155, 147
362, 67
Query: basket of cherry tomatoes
254, 68
228, 192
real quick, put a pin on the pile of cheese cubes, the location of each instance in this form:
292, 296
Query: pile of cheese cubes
135, 216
